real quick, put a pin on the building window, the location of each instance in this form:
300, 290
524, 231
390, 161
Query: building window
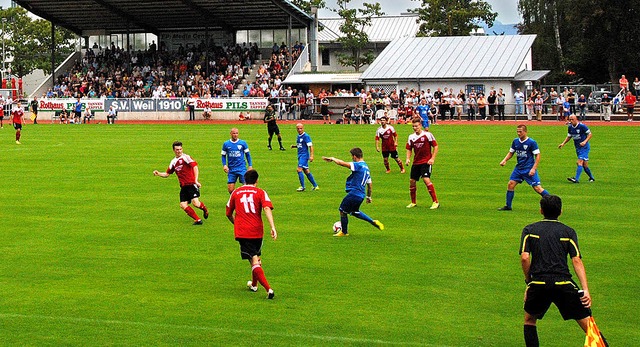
475, 88
326, 57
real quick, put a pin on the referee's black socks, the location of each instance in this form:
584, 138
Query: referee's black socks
531, 336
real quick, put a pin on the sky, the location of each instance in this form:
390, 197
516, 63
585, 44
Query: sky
507, 9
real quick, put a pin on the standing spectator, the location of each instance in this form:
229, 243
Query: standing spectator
17, 118
191, 107
560, 107
248, 228
34, 110
529, 106
233, 154
272, 126
528, 156
544, 247
492, 101
519, 99
581, 135
571, 99
425, 147
187, 171
545, 101
630, 101
482, 106
624, 84
553, 99
605, 105
538, 104
305, 155
636, 87
501, 101
471, 107
359, 178
582, 105
389, 138
2, 108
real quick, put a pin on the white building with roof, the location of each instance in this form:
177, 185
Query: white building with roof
478, 63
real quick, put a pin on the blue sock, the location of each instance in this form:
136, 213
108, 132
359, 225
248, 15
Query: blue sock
544, 193
588, 172
344, 220
310, 177
578, 172
510, 194
301, 178
363, 216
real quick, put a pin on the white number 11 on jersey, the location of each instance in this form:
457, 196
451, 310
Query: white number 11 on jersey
247, 202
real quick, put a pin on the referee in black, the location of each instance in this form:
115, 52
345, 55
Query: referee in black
272, 126
544, 247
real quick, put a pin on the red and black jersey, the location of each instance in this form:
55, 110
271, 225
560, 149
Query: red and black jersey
247, 202
421, 145
183, 167
388, 136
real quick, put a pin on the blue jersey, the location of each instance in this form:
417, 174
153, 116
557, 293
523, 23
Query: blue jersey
233, 154
303, 143
423, 111
578, 133
359, 178
525, 152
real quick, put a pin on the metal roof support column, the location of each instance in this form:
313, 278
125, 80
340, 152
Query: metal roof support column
313, 40
289, 43
206, 48
53, 55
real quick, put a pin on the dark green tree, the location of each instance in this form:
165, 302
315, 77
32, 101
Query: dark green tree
354, 39
306, 5
452, 17
28, 42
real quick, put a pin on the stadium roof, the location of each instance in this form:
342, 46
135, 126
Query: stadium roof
318, 78
382, 29
480, 57
92, 17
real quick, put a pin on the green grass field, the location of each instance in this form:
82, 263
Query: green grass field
94, 250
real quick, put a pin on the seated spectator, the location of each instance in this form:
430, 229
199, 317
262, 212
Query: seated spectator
206, 112
64, 117
87, 116
112, 114
357, 115
347, 114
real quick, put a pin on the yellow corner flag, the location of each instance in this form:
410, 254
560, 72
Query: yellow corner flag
594, 338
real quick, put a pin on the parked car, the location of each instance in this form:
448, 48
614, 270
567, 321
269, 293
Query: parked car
595, 98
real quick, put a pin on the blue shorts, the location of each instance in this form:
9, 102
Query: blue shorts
303, 162
523, 175
233, 177
583, 152
351, 203
425, 123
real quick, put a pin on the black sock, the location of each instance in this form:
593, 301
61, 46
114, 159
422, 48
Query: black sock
280, 142
531, 336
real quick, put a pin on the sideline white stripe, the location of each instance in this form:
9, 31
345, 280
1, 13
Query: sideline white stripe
205, 328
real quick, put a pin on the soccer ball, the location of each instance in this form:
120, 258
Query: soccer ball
337, 227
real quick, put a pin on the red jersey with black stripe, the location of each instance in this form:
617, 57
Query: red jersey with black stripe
183, 167
247, 202
422, 145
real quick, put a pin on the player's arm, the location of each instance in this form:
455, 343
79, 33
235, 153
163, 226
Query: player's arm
584, 143
310, 153
369, 192
408, 161
160, 174
377, 144
578, 267
566, 139
506, 158
433, 155
269, 214
525, 262
225, 168
337, 161
535, 165
229, 214
395, 139
249, 161
196, 173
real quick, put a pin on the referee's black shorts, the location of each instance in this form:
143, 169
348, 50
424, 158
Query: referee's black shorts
563, 294
273, 130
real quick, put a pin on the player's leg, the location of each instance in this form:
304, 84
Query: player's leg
231, 182
257, 273
412, 190
18, 133
530, 331
394, 155
199, 204
184, 205
310, 178
344, 222
579, 168
385, 159
585, 165
511, 186
301, 179
432, 190
280, 141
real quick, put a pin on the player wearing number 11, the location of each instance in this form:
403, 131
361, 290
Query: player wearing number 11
248, 202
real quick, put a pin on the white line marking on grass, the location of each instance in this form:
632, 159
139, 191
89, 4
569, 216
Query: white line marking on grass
223, 330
